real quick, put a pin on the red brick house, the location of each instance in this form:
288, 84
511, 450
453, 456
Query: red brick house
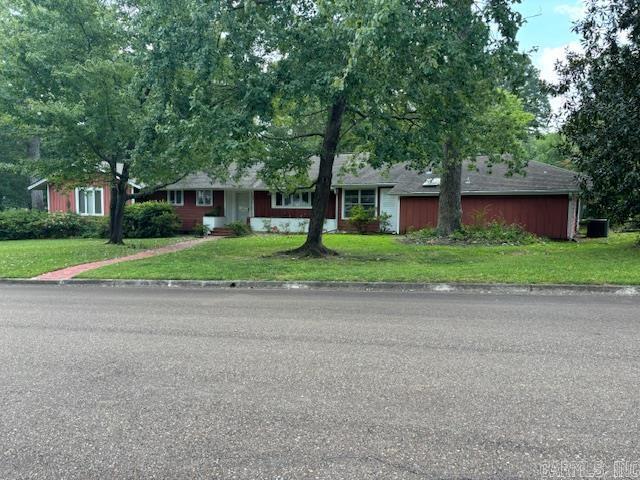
544, 201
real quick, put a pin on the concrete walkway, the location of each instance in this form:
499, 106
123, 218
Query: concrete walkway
70, 272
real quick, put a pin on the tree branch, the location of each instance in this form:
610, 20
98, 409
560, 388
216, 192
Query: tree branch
293, 137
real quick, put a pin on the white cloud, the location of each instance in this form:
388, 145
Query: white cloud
548, 57
575, 12
546, 61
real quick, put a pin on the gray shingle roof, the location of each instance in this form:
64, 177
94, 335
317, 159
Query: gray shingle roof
539, 178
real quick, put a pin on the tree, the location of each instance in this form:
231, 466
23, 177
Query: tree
326, 63
13, 185
603, 107
549, 148
522, 79
108, 99
396, 80
452, 105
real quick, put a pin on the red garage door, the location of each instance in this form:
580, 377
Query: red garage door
543, 215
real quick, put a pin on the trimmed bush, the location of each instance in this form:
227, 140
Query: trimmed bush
150, 220
141, 220
33, 224
21, 224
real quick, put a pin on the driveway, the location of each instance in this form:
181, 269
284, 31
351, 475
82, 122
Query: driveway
102, 382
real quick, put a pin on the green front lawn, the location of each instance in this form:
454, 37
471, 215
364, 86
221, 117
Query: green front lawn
28, 258
382, 258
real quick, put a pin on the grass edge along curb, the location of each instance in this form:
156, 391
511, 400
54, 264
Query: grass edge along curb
474, 288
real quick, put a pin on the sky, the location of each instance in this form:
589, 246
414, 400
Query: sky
548, 31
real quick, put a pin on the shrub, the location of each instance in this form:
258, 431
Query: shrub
360, 218
150, 220
21, 224
200, 230
384, 220
239, 229
34, 224
95, 227
493, 233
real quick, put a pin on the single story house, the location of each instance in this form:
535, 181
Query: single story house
544, 201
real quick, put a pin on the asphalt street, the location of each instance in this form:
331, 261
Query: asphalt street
101, 382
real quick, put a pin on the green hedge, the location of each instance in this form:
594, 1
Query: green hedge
141, 220
150, 220
22, 224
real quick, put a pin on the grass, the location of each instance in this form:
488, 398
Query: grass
615, 260
28, 258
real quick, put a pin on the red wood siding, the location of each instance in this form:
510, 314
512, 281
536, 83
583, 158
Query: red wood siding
543, 215
262, 208
191, 214
61, 201
65, 201
418, 212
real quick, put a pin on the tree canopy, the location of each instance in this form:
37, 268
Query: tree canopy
105, 87
603, 107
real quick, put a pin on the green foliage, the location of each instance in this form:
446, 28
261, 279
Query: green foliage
114, 87
239, 229
150, 220
361, 218
549, 148
491, 233
603, 107
21, 224
200, 230
13, 184
384, 221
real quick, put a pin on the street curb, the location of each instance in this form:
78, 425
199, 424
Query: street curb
474, 288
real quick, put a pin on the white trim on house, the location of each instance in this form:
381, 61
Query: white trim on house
48, 198
572, 216
288, 225
395, 205
375, 189
293, 207
87, 212
37, 184
198, 203
175, 204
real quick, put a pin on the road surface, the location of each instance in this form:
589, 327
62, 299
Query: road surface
99, 382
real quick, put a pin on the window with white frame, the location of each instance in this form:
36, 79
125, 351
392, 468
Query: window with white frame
204, 198
175, 197
89, 201
364, 197
302, 199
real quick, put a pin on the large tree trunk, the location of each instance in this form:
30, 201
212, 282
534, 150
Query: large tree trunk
450, 200
313, 245
116, 209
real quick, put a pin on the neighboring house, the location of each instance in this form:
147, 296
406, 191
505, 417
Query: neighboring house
544, 201
91, 200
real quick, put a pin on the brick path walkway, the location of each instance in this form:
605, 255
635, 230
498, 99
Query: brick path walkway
70, 272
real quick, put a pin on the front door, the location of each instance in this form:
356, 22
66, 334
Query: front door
389, 205
243, 206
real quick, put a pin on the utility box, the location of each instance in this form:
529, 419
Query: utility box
598, 228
